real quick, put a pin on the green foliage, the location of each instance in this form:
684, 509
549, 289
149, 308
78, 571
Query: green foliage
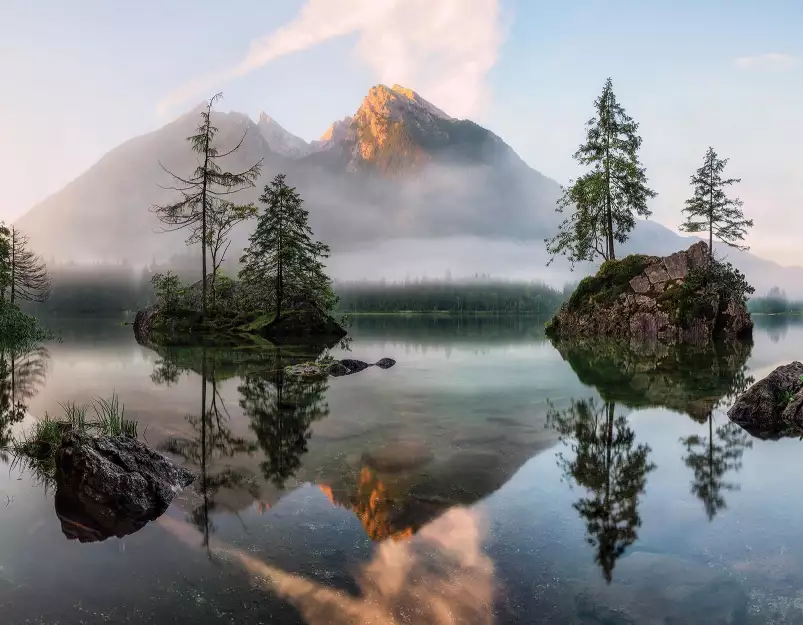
459, 297
612, 279
711, 210
605, 201
704, 288
283, 262
111, 419
169, 290
18, 328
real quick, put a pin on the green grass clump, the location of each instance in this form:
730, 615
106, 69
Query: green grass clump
36, 449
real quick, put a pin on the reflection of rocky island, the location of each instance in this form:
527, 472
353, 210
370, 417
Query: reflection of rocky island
395, 476
685, 378
606, 461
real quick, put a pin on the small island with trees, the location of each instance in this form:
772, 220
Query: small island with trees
282, 293
689, 296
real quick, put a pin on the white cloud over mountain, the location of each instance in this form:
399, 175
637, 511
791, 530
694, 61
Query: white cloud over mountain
444, 48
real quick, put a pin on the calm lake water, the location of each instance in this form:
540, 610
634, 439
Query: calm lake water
489, 477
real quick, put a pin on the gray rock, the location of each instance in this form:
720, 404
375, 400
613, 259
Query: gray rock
385, 363
640, 284
354, 366
656, 273
676, 265
307, 370
697, 255
644, 302
112, 486
766, 406
337, 369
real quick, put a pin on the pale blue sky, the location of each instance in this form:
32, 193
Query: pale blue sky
81, 77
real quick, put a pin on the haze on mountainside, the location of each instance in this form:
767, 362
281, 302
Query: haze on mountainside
398, 189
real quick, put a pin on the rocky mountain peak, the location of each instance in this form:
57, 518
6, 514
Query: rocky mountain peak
280, 140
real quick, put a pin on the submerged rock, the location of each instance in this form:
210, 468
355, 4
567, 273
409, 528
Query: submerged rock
337, 368
649, 298
112, 486
773, 404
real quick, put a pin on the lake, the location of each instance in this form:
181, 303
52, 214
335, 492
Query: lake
488, 477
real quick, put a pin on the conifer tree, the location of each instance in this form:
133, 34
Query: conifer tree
29, 279
206, 186
282, 257
711, 209
5, 260
604, 201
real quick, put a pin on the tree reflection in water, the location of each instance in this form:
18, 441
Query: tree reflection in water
607, 462
212, 443
22, 375
282, 409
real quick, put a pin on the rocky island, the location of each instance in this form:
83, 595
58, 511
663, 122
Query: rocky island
685, 297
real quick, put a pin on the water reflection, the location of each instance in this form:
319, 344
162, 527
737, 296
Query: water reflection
281, 410
711, 458
606, 461
22, 375
686, 378
440, 577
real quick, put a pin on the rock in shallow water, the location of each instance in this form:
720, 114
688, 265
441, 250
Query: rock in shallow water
112, 486
772, 404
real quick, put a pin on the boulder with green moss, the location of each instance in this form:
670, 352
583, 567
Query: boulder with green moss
679, 298
300, 323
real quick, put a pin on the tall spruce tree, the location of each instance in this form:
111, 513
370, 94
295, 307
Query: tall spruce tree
604, 201
201, 190
282, 258
711, 209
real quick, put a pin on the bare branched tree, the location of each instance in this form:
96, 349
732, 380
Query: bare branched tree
204, 188
30, 279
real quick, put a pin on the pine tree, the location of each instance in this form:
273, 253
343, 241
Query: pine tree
29, 279
604, 201
5, 260
282, 256
202, 190
711, 209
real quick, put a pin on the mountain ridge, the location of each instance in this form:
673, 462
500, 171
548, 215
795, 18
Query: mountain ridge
399, 168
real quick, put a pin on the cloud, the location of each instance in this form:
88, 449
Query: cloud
443, 49
772, 61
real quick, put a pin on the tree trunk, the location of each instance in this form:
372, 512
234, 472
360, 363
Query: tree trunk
13, 264
279, 276
203, 450
711, 217
608, 214
203, 214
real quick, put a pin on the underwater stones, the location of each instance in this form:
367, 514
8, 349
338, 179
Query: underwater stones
772, 404
112, 486
354, 366
399, 456
385, 363
335, 368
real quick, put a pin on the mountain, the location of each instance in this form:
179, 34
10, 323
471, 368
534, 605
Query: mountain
279, 140
398, 186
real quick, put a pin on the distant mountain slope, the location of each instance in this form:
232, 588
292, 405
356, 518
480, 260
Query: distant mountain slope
399, 168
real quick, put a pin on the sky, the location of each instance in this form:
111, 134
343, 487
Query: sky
80, 78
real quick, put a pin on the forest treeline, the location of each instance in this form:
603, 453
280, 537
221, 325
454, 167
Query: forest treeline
775, 302
112, 289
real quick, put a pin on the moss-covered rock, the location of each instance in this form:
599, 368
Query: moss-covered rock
303, 323
676, 298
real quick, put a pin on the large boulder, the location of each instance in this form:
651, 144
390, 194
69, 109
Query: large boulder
773, 405
335, 368
112, 486
652, 298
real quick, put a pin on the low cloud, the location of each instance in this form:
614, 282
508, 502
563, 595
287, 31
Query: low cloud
772, 61
441, 49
